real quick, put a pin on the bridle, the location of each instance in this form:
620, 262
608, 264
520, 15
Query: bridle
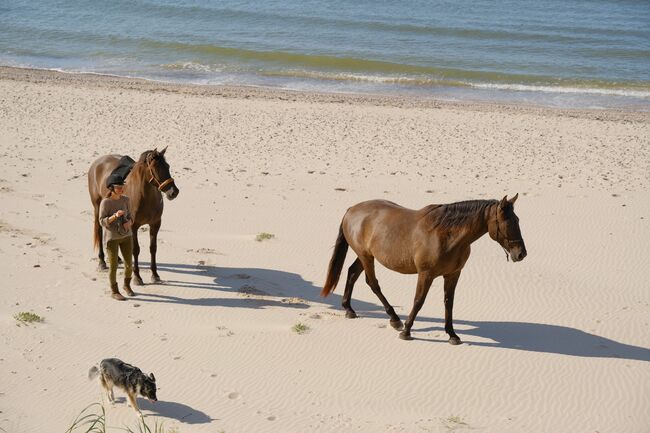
507, 241
161, 185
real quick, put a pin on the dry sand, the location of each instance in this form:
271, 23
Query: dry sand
557, 343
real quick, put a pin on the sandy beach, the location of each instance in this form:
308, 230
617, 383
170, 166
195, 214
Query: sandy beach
556, 343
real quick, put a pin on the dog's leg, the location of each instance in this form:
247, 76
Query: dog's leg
134, 403
108, 388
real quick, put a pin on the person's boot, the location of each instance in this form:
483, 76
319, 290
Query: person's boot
116, 293
127, 287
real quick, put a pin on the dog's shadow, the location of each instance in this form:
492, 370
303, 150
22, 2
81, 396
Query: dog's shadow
177, 411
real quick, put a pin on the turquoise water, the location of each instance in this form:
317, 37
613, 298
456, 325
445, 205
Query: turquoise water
581, 53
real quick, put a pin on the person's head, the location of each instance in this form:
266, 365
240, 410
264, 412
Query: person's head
115, 185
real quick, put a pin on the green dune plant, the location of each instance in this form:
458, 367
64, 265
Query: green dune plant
300, 328
92, 419
264, 236
27, 317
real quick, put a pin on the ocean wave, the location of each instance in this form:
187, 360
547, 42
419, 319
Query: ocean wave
643, 94
367, 78
589, 88
192, 66
366, 71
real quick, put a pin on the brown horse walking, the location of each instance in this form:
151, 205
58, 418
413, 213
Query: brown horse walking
147, 180
430, 242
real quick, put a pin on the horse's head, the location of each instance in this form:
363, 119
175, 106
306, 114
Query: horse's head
503, 227
159, 172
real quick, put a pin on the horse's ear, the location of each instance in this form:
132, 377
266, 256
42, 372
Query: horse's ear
514, 199
155, 151
162, 152
151, 376
504, 202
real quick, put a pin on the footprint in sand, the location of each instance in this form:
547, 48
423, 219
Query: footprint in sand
234, 395
271, 418
249, 291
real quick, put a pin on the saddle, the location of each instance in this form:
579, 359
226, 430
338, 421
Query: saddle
122, 170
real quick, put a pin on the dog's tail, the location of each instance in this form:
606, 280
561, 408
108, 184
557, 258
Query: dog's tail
93, 372
336, 263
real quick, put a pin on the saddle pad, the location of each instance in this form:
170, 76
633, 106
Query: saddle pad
123, 167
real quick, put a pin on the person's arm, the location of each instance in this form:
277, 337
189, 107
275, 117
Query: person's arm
105, 218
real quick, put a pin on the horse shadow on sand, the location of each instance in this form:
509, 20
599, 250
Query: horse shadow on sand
262, 288
534, 337
255, 287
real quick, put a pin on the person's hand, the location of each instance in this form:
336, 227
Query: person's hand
119, 213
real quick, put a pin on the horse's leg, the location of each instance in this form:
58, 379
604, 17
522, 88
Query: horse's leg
424, 284
99, 235
371, 279
450, 288
353, 274
137, 279
153, 247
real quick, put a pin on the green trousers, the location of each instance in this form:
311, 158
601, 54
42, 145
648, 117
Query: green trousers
125, 245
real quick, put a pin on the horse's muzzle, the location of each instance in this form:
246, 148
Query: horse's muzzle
519, 255
172, 192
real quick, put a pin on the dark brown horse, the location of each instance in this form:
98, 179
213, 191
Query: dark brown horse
430, 242
145, 184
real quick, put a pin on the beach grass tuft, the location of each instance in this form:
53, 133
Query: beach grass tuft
264, 236
26, 317
300, 328
92, 419
455, 422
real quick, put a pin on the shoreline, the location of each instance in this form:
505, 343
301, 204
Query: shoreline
98, 80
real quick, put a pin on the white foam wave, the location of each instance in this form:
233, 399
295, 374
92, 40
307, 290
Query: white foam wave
193, 66
559, 89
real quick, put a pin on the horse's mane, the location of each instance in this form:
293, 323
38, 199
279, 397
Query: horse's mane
147, 153
144, 155
457, 214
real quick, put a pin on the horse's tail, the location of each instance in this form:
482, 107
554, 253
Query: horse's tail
96, 232
93, 372
336, 263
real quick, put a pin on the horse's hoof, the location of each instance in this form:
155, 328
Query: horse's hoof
102, 267
455, 341
155, 279
405, 336
137, 281
350, 314
397, 324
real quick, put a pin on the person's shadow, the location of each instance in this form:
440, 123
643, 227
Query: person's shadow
177, 411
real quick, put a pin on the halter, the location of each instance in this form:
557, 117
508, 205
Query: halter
161, 185
508, 241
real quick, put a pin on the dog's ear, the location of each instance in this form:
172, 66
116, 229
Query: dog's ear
151, 376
